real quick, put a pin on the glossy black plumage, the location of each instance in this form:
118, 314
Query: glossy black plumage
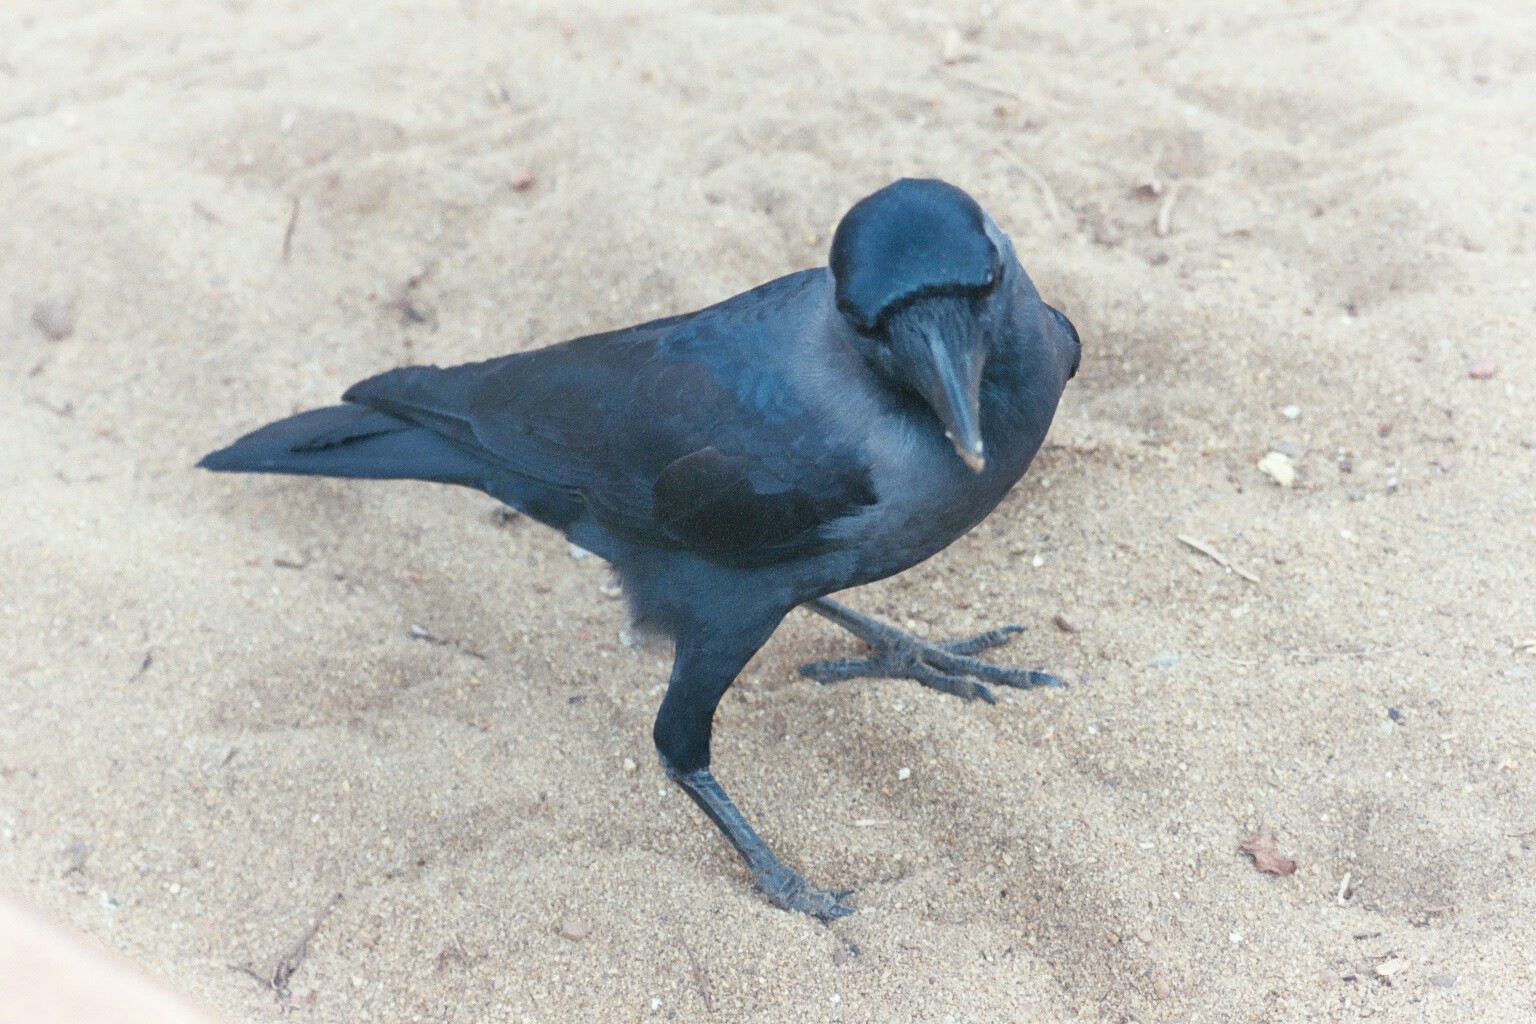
821, 431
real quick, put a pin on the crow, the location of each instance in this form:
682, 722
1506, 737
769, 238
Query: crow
824, 430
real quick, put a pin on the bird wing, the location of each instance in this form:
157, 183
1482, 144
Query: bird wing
673, 434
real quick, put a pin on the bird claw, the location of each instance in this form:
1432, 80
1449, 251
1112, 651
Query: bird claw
789, 891
945, 667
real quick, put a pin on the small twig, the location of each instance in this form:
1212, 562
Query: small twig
1164, 225
1012, 94
1047, 194
293, 223
1312, 657
422, 633
292, 960
701, 979
1344, 892
149, 659
65, 409
1216, 556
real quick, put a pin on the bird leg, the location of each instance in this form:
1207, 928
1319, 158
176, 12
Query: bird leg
682, 733
946, 667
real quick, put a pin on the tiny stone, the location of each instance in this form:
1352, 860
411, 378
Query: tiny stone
1160, 988
575, 929
1235, 938
629, 766
1482, 368
952, 46
55, 317
1144, 935
1037, 561
1168, 659
904, 774
1290, 412
841, 956
1442, 980
1065, 624
1277, 466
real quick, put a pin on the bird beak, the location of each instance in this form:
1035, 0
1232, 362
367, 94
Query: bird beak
950, 381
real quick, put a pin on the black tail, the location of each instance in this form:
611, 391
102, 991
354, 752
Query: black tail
350, 441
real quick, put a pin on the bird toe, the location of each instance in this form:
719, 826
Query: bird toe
983, 641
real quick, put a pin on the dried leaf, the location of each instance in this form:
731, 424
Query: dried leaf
1266, 855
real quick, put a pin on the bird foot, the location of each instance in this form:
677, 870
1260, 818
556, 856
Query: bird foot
946, 667
789, 891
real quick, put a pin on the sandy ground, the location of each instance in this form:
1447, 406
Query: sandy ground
214, 716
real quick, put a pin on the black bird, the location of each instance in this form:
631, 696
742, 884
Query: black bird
819, 432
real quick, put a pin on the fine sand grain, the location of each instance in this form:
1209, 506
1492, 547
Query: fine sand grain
1303, 228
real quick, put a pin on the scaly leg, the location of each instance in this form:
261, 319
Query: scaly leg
946, 667
701, 673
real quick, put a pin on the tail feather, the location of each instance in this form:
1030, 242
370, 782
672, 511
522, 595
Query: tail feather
350, 441
361, 443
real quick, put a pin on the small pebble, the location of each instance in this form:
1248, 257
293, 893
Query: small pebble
1168, 659
630, 767
1144, 935
1290, 412
1482, 368
575, 929
1161, 988
55, 317
1065, 624
904, 774
953, 42
1277, 466
1442, 980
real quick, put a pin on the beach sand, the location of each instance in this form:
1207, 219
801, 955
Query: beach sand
224, 702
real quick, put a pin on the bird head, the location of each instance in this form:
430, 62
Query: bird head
929, 285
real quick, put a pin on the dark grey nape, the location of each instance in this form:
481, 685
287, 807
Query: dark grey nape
816, 433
